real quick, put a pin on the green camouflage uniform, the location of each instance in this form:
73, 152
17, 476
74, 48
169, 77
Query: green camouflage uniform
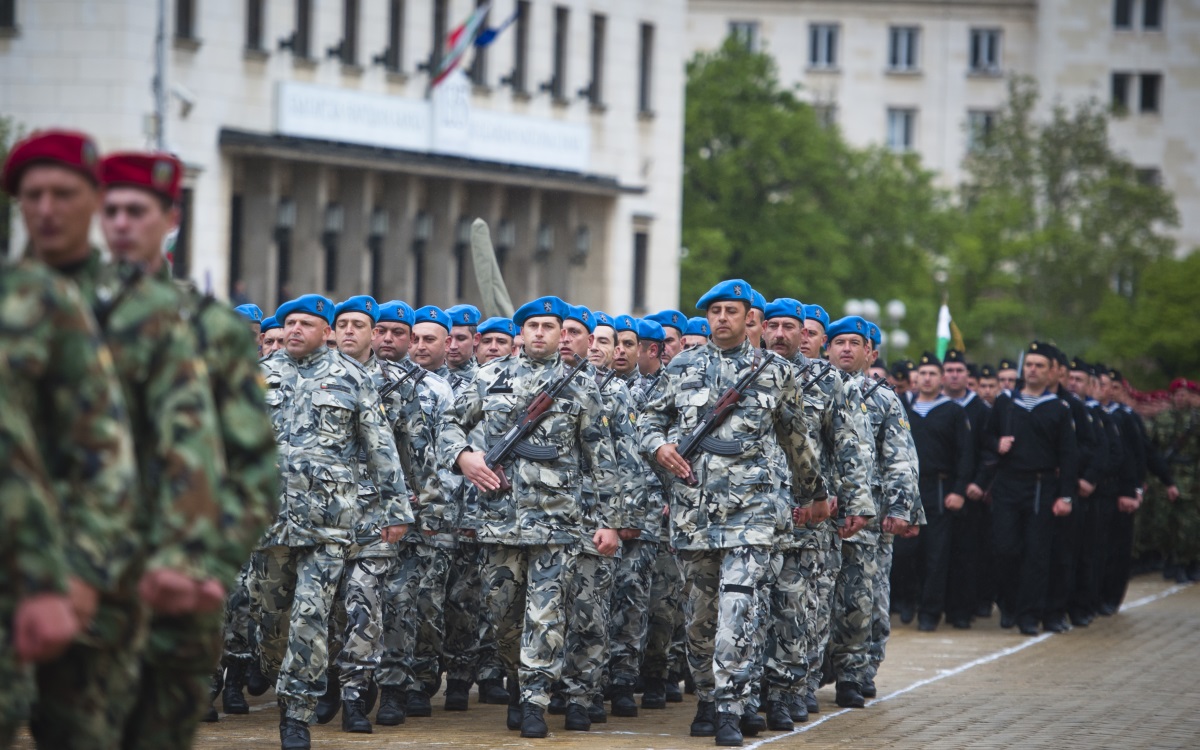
1173, 528
726, 526
180, 520
531, 534
324, 408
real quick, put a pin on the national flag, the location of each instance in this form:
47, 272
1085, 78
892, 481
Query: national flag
943, 331
488, 35
459, 41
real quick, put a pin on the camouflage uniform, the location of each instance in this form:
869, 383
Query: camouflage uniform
325, 408
1174, 528
531, 534
894, 488
180, 521
725, 527
590, 616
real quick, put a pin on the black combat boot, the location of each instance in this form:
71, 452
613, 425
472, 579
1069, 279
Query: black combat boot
752, 723
655, 695
419, 704
458, 695
577, 718
392, 704
623, 703
798, 707
293, 733
514, 703
354, 717
671, 689
533, 723
558, 703
779, 717
596, 711
493, 692
330, 703
705, 722
232, 699
849, 695
868, 688
729, 730
811, 703
257, 683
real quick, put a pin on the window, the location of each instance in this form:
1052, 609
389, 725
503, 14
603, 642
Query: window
8, 14
562, 31
985, 50
393, 56
900, 129
478, 72
746, 32
822, 45
1149, 92
979, 127
903, 48
255, 25
349, 45
646, 70
1120, 91
302, 41
1150, 176
1123, 14
519, 78
181, 251
1152, 14
826, 114
641, 252
235, 243
439, 36
595, 89
185, 19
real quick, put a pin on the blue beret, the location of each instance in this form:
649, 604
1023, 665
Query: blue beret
817, 313
310, 304
698, 327
849, 324
269, 324
625, 323
785, 307
396, 311
250, 312
552, 306
602, 318
669, 319
361, 304
464, 315
757, 301
497, 325
432, 314
650, 330
874, 334
582, 315
736, 290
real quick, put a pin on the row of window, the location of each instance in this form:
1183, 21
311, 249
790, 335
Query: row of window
392, 58
1125, 11
904, 46
1136, 92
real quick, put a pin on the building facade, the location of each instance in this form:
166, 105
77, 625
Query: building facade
928, 75
321, 159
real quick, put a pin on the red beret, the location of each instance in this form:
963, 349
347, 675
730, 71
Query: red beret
66, 148
1178, 383
158, 173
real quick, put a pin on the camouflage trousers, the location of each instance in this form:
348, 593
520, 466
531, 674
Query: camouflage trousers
630, 612
356, 626
793, 608
853, 610
817, 627
762, 635
463, 649
722, 621
292, 591
399, 622
424, 661
589, 623
239, 635
16, 682
881, 618
524, 593
668, 602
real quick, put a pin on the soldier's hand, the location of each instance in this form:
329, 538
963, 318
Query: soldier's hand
818, 511
1006, 444
84, 600
954, 501
911, 532
474, 467
607, 541
1086, 488
974, 492
833, 505
1172, 493
43, 626
669, 459
801, 516
168, 592
853, 525
627, 534
1127, 504
210, 595
1061, 507
392, 534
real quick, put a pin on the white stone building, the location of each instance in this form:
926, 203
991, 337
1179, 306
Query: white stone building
925, 74
317, 161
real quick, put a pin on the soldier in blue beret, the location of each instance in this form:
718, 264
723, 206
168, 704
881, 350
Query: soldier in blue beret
393, 331
674, 324
754, 323
625, 353
270, 338
253, 314
495, 339
309, 304
460, 349
813, 336
697, 333
464, 315
354, 322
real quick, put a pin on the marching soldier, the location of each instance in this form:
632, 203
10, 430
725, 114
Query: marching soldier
697, 333
495, 339
674, 325
271, 338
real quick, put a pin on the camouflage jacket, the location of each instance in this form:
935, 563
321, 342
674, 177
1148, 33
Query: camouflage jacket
59, 368
628, 497
250, 486
743, 499
642, 390
440, 506
324, 407
175, 434
544, 504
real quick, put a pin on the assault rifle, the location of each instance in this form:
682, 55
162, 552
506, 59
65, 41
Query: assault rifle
878, 382
392, 385
825, 367
701, 436
513, 442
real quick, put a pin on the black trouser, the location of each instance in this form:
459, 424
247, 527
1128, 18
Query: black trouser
926, 560
1084, 599
1022, 533
1120, 560
1063, 555
985, 579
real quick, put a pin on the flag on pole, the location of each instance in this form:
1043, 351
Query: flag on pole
488, 35
459, 41
943, 331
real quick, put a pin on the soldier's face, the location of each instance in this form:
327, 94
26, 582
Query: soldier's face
542, 336
727, 321
955, 377
812, 338
461, 346
848, 352
1077, 382
57, 205
604, 344
783, 336
1007, 379
303, 334
135, 225
672, 344
391, 341
693, 340
429, 342
625, 354
574, 341
988, 387
1037, 371
493, 346
929, 381
272, 341
754, 328
353, 333
518, 343
649, 357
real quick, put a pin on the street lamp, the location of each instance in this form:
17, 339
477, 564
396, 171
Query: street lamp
853, 307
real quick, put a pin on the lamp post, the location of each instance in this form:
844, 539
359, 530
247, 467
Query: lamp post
898, 338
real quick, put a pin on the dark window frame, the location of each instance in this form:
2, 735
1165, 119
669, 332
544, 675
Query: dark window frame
302, 37
641, 264
1150, 93
913, 48
976, 62
393, 56
1122, 14
185, 20
595, 90
256, 25
824, 39
646, 70
1152, 15
351, 14
479, 61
